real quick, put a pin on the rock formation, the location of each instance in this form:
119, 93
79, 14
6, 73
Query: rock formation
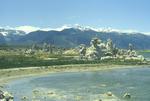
95, 51
82, 51
100, 51
5, 96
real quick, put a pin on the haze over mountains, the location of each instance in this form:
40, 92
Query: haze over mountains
73, 36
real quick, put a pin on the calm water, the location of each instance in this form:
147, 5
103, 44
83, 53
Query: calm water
84, 86
146, 55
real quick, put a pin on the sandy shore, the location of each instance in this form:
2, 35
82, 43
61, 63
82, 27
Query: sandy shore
15, 73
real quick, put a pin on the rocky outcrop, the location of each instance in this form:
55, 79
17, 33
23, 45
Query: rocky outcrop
100, 51
5, 96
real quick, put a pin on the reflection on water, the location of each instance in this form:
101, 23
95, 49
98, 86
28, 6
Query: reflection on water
84, 86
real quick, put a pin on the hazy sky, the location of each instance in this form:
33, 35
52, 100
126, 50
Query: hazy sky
121, 14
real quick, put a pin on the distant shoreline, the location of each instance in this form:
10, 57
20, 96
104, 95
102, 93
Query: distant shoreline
7, 75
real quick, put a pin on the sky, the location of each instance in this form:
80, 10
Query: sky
119, 14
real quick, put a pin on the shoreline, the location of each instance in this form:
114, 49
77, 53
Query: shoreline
7, 75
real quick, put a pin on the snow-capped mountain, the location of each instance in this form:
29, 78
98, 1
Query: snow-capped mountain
10, 35
23, 30
72, 36
8, 32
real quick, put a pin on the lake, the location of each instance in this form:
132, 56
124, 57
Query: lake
84, 86
146, 55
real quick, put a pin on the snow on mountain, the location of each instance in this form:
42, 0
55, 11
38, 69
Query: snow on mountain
4, 33
71, 36
27, 29
21, 30
87, 28
9, 31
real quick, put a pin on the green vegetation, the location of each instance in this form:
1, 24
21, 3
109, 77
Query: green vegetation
13, 61
144, 51
16, 57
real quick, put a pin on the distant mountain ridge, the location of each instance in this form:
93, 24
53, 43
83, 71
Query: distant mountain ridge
72, 37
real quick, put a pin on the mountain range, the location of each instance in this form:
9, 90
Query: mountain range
74, 36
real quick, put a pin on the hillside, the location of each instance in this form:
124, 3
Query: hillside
72, 37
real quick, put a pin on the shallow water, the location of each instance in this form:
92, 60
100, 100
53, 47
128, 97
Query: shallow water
146, 55
84, 86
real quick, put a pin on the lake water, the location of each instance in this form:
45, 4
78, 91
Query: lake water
84, 86
146, 55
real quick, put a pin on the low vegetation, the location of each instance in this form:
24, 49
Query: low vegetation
15, 57
18, 60
144, 51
